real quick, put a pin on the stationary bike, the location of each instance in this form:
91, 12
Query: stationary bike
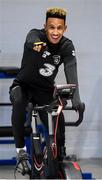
44, 156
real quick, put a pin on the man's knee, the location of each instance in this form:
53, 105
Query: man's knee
16, 95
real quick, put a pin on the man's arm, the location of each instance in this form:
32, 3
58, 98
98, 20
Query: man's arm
70, 69
71, 77
34, 40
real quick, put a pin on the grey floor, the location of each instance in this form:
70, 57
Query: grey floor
93, 166
85, 19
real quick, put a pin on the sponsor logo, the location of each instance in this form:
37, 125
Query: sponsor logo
47, 70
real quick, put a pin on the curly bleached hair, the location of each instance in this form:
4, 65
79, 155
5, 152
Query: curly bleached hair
56, 13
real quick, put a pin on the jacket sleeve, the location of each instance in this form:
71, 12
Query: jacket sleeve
70, 69
32, 37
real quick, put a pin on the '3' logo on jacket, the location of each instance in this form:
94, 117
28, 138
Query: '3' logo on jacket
47, 70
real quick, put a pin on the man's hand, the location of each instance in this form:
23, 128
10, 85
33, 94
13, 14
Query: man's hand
80, 110
80, 107
39, 46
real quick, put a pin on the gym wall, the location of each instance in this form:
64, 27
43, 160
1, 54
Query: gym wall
17, 17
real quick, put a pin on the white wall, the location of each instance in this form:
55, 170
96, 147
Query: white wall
17, 17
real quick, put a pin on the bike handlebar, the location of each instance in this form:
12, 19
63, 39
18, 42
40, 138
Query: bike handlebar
80, 111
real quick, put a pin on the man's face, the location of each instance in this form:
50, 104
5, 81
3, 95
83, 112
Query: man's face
54, 28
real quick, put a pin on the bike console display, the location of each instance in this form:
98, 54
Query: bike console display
64, 91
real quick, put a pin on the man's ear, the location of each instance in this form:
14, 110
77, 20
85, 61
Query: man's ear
65, 28
45, 27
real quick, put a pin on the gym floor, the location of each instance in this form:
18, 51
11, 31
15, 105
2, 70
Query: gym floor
89, 48
93, 166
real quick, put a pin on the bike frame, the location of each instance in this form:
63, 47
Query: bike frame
45, 164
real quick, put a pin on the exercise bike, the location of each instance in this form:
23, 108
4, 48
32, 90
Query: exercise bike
44, 155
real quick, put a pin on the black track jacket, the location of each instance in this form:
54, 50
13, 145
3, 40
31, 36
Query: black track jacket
40, 68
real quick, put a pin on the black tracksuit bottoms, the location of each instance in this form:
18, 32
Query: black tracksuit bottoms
20, 98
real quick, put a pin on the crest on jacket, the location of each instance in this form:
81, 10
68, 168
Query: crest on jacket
56, 59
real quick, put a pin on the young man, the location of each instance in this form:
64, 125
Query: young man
44, 51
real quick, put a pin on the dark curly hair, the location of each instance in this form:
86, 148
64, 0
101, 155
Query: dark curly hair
56, 13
